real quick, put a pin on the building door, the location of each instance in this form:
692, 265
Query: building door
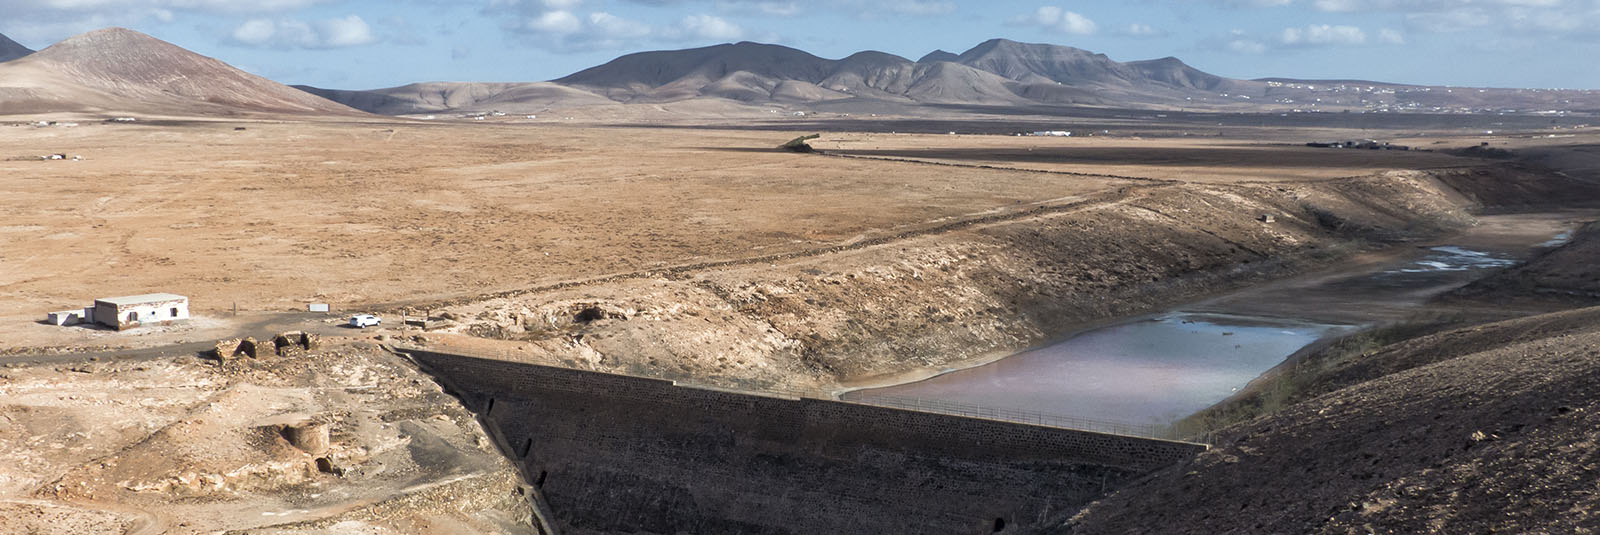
133, 316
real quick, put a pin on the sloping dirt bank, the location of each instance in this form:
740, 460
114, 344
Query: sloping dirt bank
1446, 425
1486, 429
900, 308
1563, 277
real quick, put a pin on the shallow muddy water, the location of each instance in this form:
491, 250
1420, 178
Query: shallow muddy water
1147, 371
1158, 369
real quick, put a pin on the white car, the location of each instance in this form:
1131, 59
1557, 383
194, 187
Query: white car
362, 321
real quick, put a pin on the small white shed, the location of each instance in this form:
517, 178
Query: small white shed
70, 317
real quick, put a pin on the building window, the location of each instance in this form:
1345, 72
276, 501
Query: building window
174, 312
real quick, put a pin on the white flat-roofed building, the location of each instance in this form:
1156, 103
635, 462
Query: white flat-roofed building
134, 310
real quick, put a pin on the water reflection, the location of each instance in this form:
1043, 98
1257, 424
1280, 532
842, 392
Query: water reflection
1450, 258
1155, 370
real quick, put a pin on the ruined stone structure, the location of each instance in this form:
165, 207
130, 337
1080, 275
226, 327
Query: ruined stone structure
613, 453
288, 344
312, 436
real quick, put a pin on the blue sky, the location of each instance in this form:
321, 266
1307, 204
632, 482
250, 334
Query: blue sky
361, 44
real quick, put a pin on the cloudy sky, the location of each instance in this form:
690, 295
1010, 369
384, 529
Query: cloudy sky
360, 44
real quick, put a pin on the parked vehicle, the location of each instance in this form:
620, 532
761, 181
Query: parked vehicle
362, 321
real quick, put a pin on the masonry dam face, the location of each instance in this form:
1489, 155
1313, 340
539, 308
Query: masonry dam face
617, 454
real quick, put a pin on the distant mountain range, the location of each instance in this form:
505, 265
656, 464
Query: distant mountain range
997, 72
438, 97
123, 70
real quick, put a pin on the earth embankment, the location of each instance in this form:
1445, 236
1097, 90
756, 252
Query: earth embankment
926, 301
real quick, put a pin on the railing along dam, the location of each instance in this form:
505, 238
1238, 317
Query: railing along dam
613, 453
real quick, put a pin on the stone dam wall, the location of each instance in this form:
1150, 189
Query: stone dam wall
619, 454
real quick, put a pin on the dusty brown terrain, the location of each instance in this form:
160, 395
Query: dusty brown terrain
282, 214
190, 446
691, 253
696, 252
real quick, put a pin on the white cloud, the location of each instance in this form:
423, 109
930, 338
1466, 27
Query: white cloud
345, 32
1057, 19
1449, 21
258, 31
601, 30
1525, 20
1257, 3
781, 8
1077, 24
707, 27
1435, 5
607, 26
860, 8
291, 33
1337, 5
47, 21
1322, 34
1243, 45
1141, 30
1315, 35
917, 7
16, 7
558, 22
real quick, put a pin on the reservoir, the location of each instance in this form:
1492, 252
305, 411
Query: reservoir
1157, 369
1147, 371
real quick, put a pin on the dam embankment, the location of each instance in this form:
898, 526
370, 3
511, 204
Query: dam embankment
628, 454
887, 312
611, 453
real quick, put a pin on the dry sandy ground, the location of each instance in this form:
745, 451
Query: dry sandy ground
189, 446
271, 216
